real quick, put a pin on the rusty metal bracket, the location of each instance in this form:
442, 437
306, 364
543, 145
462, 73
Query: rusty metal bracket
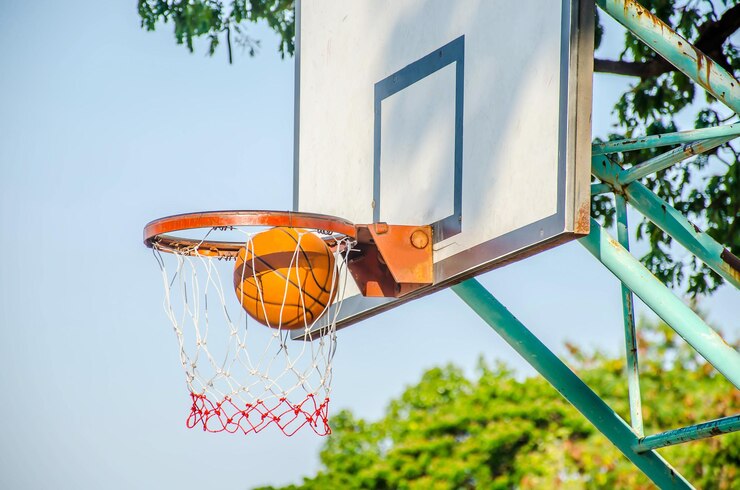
392, 260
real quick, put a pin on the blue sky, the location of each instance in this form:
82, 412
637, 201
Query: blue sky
103, 127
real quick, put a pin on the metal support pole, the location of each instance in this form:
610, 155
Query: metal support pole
600, 189
630, 339
662, 301
718, 258
567, 383
675, 49
667, 159
666, 139
691, 433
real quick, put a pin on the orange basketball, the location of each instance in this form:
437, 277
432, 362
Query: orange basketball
285, 277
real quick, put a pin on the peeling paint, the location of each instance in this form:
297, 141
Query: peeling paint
704, 62
733, 264
583, 219
640, 10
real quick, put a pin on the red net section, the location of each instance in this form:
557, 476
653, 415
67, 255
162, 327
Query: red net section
232, 417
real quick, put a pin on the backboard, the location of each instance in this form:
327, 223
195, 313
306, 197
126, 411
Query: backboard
471, 116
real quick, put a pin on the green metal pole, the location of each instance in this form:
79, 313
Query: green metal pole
630, 339
661, 162
666, 139
718, 258
567, 383
675, 49
691, 433
600, 189
663, 302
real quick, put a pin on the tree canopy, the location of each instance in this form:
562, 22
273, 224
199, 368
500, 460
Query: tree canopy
496, 431
706, 188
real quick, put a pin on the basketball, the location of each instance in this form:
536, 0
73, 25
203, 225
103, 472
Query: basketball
285, 277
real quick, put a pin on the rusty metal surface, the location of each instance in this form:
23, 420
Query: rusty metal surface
391, 261
160, 231
407, 262
731, 264
583, 219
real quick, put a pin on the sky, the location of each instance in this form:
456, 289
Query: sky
104, 127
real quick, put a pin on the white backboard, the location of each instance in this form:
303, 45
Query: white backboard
470, 115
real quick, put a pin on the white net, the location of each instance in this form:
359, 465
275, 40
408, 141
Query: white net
244, 370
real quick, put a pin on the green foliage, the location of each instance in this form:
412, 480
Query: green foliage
496, 431
706, 189
213, 19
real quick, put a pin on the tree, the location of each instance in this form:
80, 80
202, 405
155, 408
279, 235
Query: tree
495, 431
706, 189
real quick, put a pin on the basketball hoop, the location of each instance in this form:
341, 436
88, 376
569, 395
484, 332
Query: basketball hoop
289, 274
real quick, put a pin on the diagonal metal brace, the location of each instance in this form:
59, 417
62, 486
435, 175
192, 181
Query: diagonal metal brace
665, 139
662, 162
712, 428
675, 49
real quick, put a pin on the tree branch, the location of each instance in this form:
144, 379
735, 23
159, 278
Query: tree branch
712, 35
642, 69
228, 42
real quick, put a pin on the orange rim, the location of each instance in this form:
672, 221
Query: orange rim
160, 231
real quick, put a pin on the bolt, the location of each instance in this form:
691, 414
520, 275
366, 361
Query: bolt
419, 239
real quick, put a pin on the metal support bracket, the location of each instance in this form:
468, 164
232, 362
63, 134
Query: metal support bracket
703, 246
665, 139
591, 405
663, 302
392, 260
630, 336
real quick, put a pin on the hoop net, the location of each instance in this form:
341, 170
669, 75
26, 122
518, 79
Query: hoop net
244, 376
